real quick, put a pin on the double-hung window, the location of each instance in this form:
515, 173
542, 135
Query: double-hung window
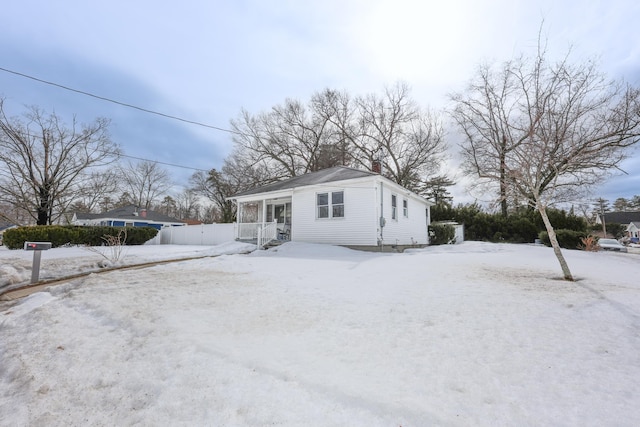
405, 208
394, 206
330, 204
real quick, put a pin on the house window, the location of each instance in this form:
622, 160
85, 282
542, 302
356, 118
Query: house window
323, 205
330, 205
394, 206
405, 208
337, 204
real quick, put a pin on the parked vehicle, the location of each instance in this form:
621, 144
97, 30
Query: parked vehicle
611, 245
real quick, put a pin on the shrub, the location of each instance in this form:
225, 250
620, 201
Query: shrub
73, 235
139, 235
441, 234
15, 238
589, 243
519, 227
568, 239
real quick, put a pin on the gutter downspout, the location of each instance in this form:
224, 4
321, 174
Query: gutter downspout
382, 220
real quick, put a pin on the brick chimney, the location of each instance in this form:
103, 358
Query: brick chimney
375, 166
143, 213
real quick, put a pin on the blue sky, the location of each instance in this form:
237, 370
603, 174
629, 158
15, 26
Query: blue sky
205, 60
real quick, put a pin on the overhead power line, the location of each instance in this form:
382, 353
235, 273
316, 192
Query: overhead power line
163, 163
120, 154
124, 104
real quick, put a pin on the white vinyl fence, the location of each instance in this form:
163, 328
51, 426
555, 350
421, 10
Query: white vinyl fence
204, 234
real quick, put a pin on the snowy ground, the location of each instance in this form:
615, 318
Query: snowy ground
311, 335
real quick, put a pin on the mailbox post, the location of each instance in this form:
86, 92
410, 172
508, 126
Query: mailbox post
37, 248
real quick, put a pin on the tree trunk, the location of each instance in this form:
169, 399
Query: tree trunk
554, 242
503, 183
43, 207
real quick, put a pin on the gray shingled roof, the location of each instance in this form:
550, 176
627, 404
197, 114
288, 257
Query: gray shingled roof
338, 173
127, 212
621, 217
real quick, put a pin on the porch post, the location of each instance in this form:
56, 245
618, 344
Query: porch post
238, 219
264, 211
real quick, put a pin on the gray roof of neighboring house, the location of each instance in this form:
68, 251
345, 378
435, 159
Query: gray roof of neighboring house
5, 225
622, 217
338, 173
129, 212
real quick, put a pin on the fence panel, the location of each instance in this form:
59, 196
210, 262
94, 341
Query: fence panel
204, 234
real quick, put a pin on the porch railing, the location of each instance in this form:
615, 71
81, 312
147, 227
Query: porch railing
261, 232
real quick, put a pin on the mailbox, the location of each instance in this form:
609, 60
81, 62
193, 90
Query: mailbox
37, 246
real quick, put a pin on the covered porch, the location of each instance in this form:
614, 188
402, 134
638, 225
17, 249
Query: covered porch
264, 221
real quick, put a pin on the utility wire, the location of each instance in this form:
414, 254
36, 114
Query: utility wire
124, 104
120, 154
163, 163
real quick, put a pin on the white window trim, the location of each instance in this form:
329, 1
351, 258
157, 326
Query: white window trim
405, 207
330, 205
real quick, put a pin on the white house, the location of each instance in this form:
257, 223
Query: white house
629, 219
340, 206
633, 230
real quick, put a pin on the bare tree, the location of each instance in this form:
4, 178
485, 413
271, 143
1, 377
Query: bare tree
97, 186
44, 161
238, 173
408, 139
217, 187
144, 181
188, 204
566, 126
289, 140
335, 129
493, 124
14, 214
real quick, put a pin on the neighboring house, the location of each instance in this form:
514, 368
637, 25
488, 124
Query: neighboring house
339, 206
630, 219
127, 216
4, 226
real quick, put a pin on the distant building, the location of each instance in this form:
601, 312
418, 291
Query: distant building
127, 216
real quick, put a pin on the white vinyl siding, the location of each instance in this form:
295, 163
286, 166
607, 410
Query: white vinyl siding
409, 229
357, 226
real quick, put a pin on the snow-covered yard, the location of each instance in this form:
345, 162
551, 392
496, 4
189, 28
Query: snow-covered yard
311, 335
